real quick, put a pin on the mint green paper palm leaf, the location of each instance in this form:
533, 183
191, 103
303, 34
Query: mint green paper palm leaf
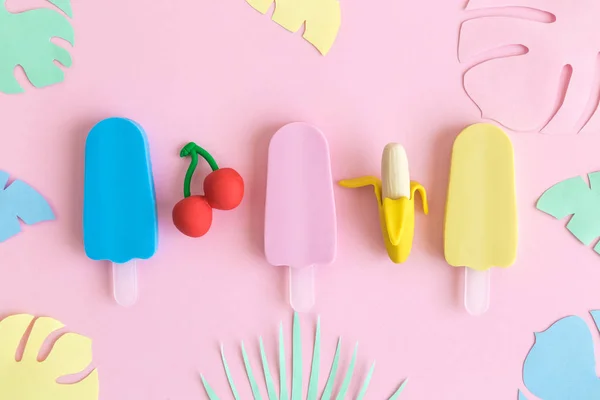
298, 383
313, 382
209, 390
365, 385
267, 371
25, 40
20, 202
234, 391
296, 359
332, 372
348, 377
283, 390
575, 197
251, 379
561, 364
397, 393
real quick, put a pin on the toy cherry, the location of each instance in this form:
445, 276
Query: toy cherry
223, 190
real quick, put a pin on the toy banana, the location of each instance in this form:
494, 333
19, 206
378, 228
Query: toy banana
395, 195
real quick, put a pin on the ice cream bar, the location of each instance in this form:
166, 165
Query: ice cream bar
119, 207
481, 211
300, 221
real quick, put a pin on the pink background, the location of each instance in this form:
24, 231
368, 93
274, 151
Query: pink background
221, 74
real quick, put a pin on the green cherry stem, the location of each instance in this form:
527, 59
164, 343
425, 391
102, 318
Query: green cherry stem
192, 150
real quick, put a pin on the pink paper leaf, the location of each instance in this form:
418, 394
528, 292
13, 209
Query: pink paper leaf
533, 65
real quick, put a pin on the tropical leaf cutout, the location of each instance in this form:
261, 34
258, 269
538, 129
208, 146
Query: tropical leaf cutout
532, 65
25, 41
521, 396
561, 364
32, 378
298, 381
20, 202
575, 197
64, 6
322, 18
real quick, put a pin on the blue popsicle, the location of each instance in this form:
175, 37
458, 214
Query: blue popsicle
119, 204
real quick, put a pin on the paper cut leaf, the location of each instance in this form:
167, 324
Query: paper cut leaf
30, 379
399, 391
365, 385
25, 41
348, 377
322, 18
267, 371
19, 201
561, 364
298, 382
521, 396
283, 390
209, 390
332, 372
251, 379
64, 6
533, 64
313, 382
234, 391
296, 359
574, 196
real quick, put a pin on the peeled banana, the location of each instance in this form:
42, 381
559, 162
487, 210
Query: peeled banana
395, 194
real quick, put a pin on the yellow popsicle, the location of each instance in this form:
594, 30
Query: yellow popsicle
481, 212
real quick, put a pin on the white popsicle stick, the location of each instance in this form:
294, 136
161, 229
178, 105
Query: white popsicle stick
125, 288
477, 291
302, 288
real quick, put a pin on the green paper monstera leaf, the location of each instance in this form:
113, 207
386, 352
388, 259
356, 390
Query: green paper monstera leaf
575, 197
25, 40
332, 381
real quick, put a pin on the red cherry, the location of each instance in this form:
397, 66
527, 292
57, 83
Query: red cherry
224, 189
192, 216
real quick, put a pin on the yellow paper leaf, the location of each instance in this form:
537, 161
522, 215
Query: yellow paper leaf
43, 327
30, 379
322, 17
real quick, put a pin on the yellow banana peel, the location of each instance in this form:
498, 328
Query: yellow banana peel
396, 216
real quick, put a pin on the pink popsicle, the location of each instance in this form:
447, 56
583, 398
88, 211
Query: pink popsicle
300, 222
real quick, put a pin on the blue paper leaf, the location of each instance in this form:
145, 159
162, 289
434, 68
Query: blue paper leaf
561, 364
20, 201
521, 396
